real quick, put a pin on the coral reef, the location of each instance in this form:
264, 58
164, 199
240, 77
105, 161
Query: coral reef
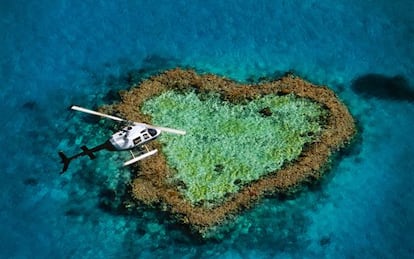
230, 145
243, 141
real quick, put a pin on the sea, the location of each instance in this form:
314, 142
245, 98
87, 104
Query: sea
57, 53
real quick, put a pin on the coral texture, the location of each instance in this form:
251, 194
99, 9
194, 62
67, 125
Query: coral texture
311, 120
230, 145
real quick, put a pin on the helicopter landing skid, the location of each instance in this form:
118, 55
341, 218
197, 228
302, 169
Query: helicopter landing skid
143, 154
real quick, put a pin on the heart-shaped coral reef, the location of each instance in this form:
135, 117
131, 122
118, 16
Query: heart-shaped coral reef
229, 145
243, 141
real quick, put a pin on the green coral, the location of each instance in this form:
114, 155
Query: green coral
228, 145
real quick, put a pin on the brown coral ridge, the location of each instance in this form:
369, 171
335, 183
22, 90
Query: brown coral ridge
151, 184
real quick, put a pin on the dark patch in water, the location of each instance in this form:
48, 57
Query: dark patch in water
324, 241
282, 228
340, 88
108, 201
254, 79
151, 64
90, 119
30, 181
73, 212
158, 62
356, 146
394, 88
111, 95
125, 74
30, 105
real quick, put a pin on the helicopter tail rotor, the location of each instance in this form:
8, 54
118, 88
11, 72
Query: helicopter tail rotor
65, 161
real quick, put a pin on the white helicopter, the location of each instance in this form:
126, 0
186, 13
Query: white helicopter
132, 137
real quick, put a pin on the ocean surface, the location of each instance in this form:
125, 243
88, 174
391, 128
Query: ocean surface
57, 53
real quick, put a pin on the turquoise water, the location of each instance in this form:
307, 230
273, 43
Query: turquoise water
81, 52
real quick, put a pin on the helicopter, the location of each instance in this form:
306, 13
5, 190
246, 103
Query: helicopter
132, 138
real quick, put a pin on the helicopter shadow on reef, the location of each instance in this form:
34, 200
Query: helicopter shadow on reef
395, 88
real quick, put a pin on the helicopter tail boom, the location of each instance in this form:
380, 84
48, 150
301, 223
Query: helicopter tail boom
85, 152
88, 152
66, 160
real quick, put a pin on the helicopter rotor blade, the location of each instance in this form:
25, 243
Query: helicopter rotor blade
164, 129
78, 108
169, 130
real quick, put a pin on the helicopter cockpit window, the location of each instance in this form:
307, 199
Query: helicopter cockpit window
152, 132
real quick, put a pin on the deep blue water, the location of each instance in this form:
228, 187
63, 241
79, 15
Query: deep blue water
57, 53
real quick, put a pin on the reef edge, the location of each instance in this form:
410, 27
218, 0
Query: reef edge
149, 185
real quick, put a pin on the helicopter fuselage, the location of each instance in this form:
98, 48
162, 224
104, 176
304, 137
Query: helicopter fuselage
133, 136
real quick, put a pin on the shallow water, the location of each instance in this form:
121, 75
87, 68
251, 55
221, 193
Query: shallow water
77, 52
